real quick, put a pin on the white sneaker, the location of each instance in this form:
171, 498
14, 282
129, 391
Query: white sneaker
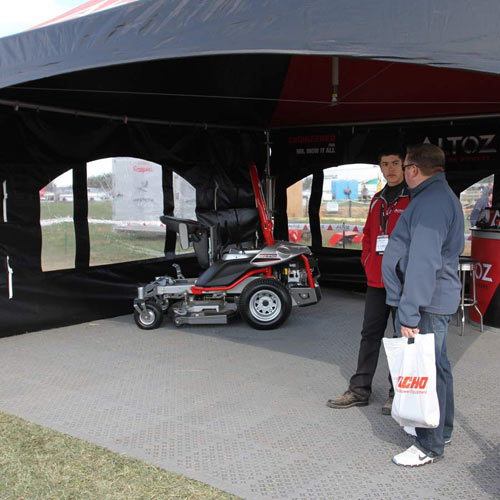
413, 457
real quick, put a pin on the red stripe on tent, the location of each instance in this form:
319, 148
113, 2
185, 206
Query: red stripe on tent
358, 238
451, 92
84, 10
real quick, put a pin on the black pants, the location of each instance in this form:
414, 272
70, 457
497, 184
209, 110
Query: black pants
374, 325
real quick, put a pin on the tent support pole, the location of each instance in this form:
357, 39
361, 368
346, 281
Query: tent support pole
4, 185
125, 119
10, 272
390, 122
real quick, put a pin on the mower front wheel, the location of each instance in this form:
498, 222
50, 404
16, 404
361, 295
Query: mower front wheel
149, 319
265, 303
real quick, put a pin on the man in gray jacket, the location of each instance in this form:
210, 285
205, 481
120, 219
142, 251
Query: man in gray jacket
419, 269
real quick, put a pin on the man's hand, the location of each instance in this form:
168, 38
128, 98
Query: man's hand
409, 332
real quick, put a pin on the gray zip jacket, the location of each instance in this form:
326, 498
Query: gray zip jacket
420, 263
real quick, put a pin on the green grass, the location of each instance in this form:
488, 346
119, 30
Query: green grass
107, 246
58, 246
54, 209
37, 463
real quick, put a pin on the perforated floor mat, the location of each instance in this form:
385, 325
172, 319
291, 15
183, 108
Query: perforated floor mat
244, 410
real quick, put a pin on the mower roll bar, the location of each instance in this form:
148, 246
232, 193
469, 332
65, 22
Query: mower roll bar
265, 219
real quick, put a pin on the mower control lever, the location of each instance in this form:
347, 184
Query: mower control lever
178, 271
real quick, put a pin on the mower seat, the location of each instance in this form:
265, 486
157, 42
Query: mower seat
225, 272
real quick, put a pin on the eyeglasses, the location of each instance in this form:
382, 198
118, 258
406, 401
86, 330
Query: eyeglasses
404, 167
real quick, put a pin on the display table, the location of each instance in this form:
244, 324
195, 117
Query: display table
486, 251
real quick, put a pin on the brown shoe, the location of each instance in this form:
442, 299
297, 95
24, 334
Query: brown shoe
347, 400
387, 408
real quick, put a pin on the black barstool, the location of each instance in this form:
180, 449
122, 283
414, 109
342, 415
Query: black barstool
467, 265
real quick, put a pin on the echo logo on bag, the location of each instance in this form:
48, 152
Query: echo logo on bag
412, 383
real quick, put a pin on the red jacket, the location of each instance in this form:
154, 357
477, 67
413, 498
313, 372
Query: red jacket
372, 262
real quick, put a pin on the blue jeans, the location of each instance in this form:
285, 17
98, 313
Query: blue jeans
431, 441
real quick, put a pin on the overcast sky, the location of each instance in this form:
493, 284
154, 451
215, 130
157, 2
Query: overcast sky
19, 15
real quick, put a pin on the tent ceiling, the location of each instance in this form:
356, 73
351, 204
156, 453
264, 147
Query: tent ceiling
377, 91
217, 90
266, 91
120, 60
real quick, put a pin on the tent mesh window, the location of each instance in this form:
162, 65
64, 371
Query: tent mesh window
297, 210
56, 220
475, 199
184, 205
125, 200
347, 191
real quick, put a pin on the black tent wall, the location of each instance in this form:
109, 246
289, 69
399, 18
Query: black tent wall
207, 64
39, 146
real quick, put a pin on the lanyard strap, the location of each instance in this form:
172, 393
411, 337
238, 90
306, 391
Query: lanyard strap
384, 218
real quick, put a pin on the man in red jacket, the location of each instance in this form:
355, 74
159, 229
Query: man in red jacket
385, 208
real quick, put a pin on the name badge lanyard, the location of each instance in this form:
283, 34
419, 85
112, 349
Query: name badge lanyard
383, 238
384, 218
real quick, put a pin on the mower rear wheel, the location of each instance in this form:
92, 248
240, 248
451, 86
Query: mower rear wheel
265, 303
149, 319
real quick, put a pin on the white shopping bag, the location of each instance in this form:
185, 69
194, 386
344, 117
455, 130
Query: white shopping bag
413, 373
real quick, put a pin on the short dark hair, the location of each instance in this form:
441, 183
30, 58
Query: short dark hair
429, 158
390, 150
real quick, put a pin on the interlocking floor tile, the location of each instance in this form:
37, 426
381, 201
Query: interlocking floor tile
244, 410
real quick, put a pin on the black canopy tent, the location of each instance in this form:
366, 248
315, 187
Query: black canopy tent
198, 86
